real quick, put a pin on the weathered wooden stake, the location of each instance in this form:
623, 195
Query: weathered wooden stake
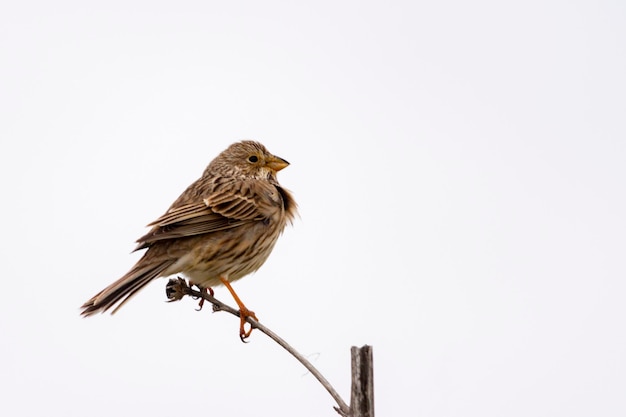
362, 395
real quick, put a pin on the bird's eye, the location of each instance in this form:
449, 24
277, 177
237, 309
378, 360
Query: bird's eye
253, 158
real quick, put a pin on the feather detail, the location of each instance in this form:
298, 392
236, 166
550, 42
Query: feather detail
222, 227
124, 288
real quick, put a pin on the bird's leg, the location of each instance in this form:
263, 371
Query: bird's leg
203, 290
244, 313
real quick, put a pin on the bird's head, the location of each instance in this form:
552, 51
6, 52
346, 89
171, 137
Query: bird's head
247, 159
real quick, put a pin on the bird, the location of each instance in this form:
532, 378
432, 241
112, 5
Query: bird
220, 229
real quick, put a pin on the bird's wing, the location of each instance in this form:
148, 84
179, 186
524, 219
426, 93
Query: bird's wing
227, 205
247, 199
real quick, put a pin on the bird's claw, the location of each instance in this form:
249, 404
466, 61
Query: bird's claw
243, 316
203, 290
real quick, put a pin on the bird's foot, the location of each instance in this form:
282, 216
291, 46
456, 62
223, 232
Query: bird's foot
203, 290
244, 313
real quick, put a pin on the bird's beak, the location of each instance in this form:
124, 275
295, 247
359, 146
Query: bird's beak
276, 163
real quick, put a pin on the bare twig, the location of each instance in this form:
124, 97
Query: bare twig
178, 288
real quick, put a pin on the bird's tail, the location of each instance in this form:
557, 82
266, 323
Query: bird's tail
124, 288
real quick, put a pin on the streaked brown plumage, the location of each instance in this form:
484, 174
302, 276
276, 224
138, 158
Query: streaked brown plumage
222, 228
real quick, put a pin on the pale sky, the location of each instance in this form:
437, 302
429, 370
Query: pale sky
460, 170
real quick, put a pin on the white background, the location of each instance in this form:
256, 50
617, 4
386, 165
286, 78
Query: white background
460, 171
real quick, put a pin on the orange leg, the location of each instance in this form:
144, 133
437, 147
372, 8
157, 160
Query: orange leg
244, 313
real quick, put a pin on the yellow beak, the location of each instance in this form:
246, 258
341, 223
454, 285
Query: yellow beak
276, 163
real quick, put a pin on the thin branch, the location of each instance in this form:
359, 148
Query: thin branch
178, 288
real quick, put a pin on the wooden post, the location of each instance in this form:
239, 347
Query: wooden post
362, 395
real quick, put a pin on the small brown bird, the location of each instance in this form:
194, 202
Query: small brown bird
222, 228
